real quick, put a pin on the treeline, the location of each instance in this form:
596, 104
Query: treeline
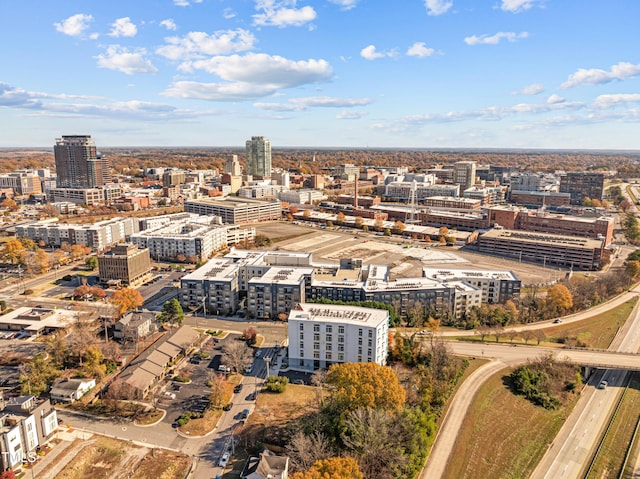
378, 418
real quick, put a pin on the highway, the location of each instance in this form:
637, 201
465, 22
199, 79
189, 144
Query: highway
571, 448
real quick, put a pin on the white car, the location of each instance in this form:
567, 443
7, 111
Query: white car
603, 384
169, 395
224, 460
249, 369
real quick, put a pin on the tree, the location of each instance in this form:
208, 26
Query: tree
358, 221
306, 449
527, 335
373, 437
262, 241
340, 218
398, 227
94, 362
36, 375
9, 204
633, 268
365, 385
559, 299
126, 299
79, 250
332, 468
91, 263
12, 251
378, 223
236, 354
10, 474
250, 335
306, 214
172, 312
217, 385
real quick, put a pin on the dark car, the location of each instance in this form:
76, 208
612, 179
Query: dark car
238, 388
228, 407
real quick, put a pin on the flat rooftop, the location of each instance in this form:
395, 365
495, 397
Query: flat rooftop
340, 314
449, 274
543, 238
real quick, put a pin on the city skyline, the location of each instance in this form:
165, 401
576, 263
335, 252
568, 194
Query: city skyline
534, 74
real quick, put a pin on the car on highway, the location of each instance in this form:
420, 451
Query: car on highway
238, 388
603, 384
557, 321
244, 414
224, 460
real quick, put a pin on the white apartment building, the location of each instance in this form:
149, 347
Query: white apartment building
302, 196
97, 235
401, 190
322, 335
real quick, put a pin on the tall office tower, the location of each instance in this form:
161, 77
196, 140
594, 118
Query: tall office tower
232, 166
464, 174
259, 157
582, 185
78, 163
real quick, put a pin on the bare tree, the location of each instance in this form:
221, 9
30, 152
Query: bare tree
81, 337
319, 380
217, 390
483, 331
497, 330
527, 335
540, 336
303, 450
236, 354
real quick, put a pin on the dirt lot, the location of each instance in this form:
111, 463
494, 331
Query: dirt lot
113, 459
406, 258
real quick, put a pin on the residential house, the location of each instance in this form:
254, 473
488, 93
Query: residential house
70, 390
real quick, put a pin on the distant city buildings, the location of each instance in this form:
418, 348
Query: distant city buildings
258, 150
582, 185
236, 210
464, 174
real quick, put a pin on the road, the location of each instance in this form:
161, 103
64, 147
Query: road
580, 429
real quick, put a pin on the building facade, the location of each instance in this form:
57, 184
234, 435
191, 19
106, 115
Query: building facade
258, 150
125, 264
78, 163
582, 185
236, 210
322, 335
464, 174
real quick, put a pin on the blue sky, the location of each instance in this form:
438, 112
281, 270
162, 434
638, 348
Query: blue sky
322, 73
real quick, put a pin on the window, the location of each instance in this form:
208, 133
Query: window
316, 327
359, 359
340, 356
301, 345
316, 336
329, 338
301, 336
360, 341
302, 362
359, 331
316, 355
341, 339
369, 352
370, 343
302, 353
341, 329
329, 347
316, 346
371, 333
329, 356
340, 347
360, 350
301, 327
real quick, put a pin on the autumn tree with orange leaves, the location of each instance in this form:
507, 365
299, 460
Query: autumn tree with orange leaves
126, 299
332, 468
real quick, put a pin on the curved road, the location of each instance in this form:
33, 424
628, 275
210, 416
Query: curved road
628, 339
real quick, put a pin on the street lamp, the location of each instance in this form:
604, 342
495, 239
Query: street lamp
267, 360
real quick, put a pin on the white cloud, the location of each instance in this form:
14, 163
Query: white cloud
185, 3
495, 39
75, 25
533, 89
282, 13
64, 105
125, 61
301, 104
610, 100
351, 114
554, 99
517, 6
198, 44
345, 4
596, 76
437, 7
123, 27
250, 76
228, 13
419, 49
370, 53
169, 24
